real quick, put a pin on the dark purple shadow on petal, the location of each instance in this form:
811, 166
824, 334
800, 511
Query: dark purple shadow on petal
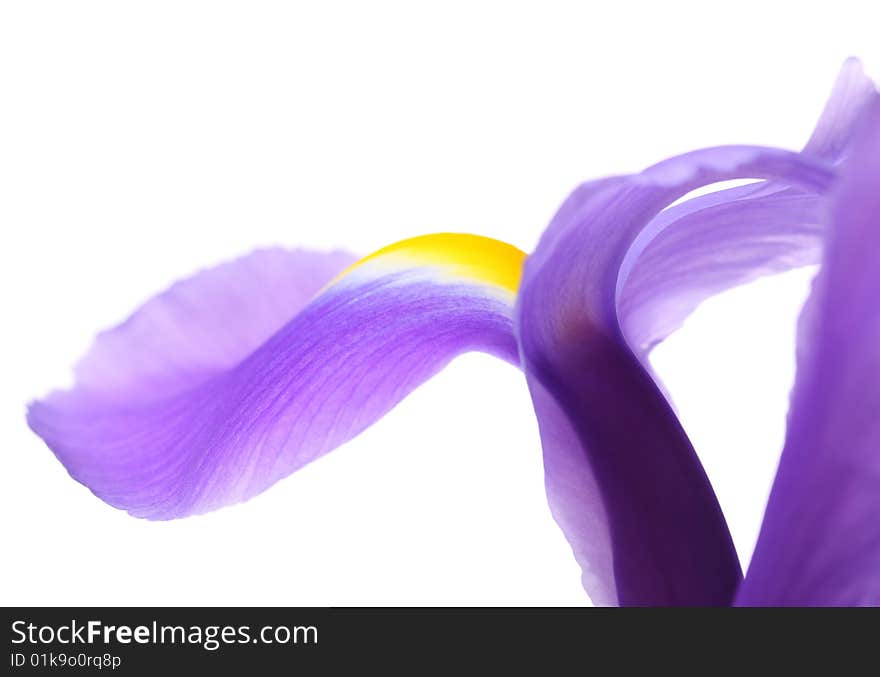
669, 542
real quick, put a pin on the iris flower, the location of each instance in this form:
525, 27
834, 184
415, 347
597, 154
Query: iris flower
232, 379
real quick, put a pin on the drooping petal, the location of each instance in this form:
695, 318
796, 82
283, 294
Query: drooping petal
820, 540
205, 324
611, 433
177, 414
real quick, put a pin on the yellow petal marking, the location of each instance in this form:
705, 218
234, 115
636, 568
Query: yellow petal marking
472, 257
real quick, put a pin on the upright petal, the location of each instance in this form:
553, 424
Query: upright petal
820, 540
183, 409
610, 436
852, 91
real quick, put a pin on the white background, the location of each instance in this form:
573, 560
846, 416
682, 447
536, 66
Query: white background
142, 141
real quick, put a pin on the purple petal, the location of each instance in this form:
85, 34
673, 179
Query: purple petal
819, 543
711, 243
688, 253
834, 131
205, 324
230, 381
612, 445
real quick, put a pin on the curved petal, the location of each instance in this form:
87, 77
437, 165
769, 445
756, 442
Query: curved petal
701, 251
205, 324
852, 91
820, 541
705, 245
162, 428
612, 433
687, 253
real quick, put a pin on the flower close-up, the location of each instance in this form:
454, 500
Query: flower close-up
229, 381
